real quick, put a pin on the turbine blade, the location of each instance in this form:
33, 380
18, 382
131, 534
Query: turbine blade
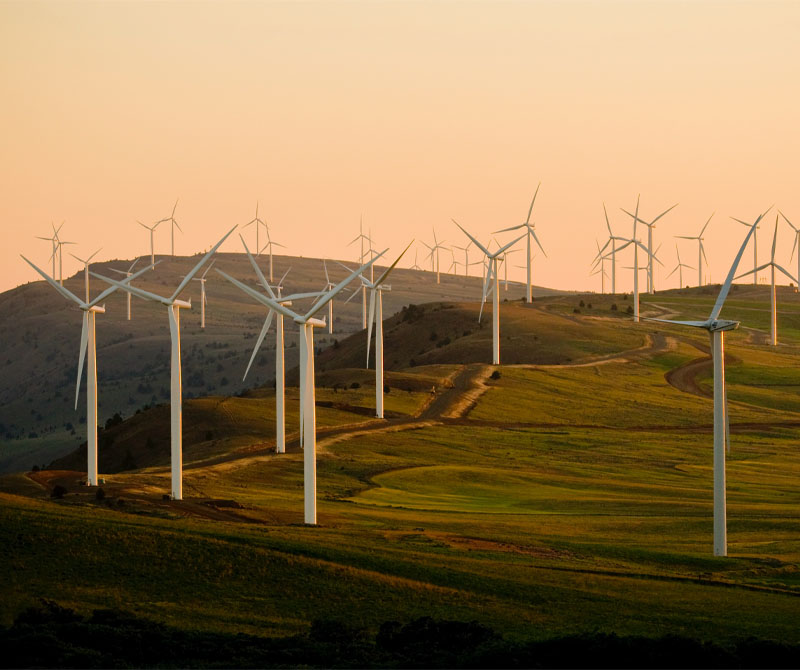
727, 285
787, 273
325, 267
474, 241
259, 341
202, 262
58, 287
775, 238
386, 272
512, 243
370, 320
260, 297
505, 230
203, 276
330, 294
663, 213
133, 290
608, 224
530, 209
781, 213
122, 284
539, 243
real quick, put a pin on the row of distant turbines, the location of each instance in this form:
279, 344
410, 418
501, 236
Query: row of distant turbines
279, 307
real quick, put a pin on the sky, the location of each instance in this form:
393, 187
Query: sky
408, 114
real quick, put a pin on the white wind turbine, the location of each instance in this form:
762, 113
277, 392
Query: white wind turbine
716, 328
280, 377
172, 225
602, 270
203, 299
795, 246
88, 346
58, 244
416, 265
755, 249
127, 274
529, 233
152, 230
376, 289
772, 265
269, 246
679, 268
86, 269
258, 222
491, 275
701, 252
307, 322
434, 254
54, 244
651, 255
362, 256
635, 267
173, 305
612, 240
465, 249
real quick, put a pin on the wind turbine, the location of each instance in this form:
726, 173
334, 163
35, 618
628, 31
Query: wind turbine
376, 289
612, 240
58, 244
772, 265
172, 225
152, 230
88, 346
434, 254
307, 322
127, 274
529, 233
328, 287
258, 222
54, 243
203, 299
416, 265
701, 252
269, 246
636, 246
679, 268
280, 378
173, 305
465, 249
86, 269
652, 224
795, 246
602, 269
492, 273
716, 328
361, 238
755, 249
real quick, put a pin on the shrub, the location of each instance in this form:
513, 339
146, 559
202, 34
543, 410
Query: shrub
58, 492
582, 304
630, 309
614, 307
100, 495
355, 385
386, 388
495, 375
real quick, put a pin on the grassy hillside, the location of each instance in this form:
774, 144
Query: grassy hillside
567, 494
40, 334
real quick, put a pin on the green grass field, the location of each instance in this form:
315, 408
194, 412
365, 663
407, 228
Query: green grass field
566, 499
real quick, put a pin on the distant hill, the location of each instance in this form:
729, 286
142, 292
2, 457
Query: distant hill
40, 334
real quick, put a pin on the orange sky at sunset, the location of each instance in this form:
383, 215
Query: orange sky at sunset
408, 112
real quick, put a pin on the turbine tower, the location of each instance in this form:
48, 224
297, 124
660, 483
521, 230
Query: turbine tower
701, 252
529, 233
636, 246
173, 305
86, 269
652, 224
772, 265
127, 274
328, 287
434, 254
54, 243
716, 328
307, 322
491, 275
203, 299
612, 240
88, 350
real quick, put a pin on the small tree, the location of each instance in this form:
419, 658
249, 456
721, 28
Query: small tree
58, 492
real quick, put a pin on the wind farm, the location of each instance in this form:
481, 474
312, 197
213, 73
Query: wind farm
450, 343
